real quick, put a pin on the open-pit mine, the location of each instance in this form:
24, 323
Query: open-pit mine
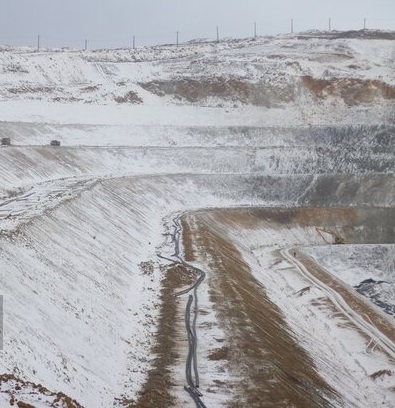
204, 225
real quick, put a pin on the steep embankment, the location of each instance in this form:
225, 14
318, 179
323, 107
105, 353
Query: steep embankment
324, 152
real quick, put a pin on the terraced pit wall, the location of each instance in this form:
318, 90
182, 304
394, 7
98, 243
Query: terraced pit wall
348, 171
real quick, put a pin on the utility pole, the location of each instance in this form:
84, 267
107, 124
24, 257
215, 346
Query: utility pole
292, 25
364, 23
38, 43
86, 45
134, 42
177, 39
254, 30
329, 24
217, 34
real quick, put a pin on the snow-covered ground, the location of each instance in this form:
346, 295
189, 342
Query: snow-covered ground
152, 132
356, 359
370, 269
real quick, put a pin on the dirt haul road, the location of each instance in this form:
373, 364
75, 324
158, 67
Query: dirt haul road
267, 363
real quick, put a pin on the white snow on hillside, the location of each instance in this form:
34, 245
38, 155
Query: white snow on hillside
141, 141
81, 86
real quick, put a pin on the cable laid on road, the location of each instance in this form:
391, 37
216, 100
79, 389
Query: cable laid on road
191, 366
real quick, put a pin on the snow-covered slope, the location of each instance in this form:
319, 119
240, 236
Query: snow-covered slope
314, 78
146, 134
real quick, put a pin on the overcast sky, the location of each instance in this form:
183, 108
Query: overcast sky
112, 23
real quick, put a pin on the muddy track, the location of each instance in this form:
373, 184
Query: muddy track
191, 365
156, 391
267, 365
273, 369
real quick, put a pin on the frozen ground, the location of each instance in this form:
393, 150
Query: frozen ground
349, 350
150, 133
370, 269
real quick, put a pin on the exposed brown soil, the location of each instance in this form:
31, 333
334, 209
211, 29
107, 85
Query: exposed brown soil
275, 370
24, 405
156, 390
348, 222
219, 354
129, 97
381, 373
59, 399
91, 88
196, 89
270, 367
303, 217
353, 91
363, 34
226, 88
33, 89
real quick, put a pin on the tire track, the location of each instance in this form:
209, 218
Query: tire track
364, 326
